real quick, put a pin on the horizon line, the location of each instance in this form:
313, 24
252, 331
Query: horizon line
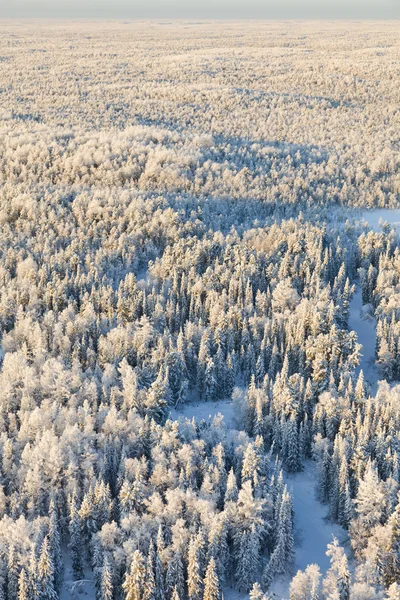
204, 19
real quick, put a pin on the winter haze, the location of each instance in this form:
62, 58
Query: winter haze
220, 9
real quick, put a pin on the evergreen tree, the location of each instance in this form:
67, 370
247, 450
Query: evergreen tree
12, 574
157, 399
393, 575
292, 446
231, 493
75, 539
256, 592
23, 587
33, 575
195, 569
150, 588
283, 554
175, 595
338, 576
211, 583
210, 382
106, 581
175, 579
55, 545
46, 573
248, 558
134, 583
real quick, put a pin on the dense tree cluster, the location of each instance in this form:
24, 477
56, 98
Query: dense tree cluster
380, 276
167, 234
293, 113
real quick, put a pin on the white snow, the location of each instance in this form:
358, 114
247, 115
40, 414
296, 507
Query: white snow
206, 411
375, 217
366, 333
313, 530
71, 589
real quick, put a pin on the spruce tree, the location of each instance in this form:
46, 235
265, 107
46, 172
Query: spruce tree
150, 588
175, 578
106, 588
46, 573
393, 574
23, 587
55, 545
292, 446
12, 574
75, 539
256, 592
195, 574
211, 583
159, 568
135, 578
175, 595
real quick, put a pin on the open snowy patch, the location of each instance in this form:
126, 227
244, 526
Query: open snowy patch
376, 218
75, 590
206, 411
366, 333
313, 529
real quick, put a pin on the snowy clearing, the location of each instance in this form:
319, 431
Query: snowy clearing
376, 218
366, 333
313, 529
72, 589
206, 411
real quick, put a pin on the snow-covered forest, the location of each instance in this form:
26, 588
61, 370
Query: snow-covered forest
184, 233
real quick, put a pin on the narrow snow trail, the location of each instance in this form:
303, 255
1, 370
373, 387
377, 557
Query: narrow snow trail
313, 530
72, 589
365, 329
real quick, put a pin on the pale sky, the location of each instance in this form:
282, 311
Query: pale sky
230, 9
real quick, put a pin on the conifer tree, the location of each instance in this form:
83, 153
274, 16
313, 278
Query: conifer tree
55, 545
150, 587
338, 576
195, 570
75, 539
292, 446
46, 573
393, 575
174, 579
211, 583
256, 592
175, 595
12, 574
106, 588
231, 493
23, 587
134, 583
33, 575
159, 577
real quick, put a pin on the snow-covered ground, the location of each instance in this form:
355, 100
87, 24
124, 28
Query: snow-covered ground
374, 218
70, 589
206, 411
366, 333
313, 530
